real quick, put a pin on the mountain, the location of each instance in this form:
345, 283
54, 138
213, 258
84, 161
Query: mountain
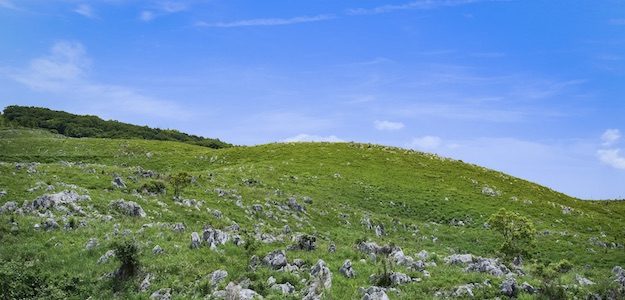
91, 126
281, 220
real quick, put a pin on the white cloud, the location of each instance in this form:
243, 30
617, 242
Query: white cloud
85, 10
420, 4
388, 125
313, 138
147, 16
64, 71
267, 22
427, 142
173, 6
610, 136
612, 157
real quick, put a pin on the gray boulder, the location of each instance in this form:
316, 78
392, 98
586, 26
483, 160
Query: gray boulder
8, 207
583, 281
145, 284
179, 227
619, 275
374, 293
128, 208
195, 240
508, 287
332, 248
215, 237
295, 206
106, 257
118, 182
50, 224
276, 259
457, 259
162, 294
400, 278
488, 265
217, 277
321, 279
157, 250
347, 270
91, 244
304, 242
285, 288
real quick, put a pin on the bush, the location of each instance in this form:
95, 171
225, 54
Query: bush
179, 182
518, 233
153, 187
127, 253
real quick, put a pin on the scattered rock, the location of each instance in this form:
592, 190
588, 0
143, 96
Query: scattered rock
619, 275
285, 288
3, 193
303, 242
215, 237
8, 207
276, 259
400, 278
179, 227
157, 250
508, 287
58, 200
379, 230
488, 191
295, 206
128, 208
106, 256
347, 270
583, 281
50, 224
307, 200
321, 280
217, 277
236, 291
195, 240
528, 288
118, 182
91, 244
145, 284
162, 294
464, 290
423, 255
488, 265
457, 259
332, 248
374, 293
257, 207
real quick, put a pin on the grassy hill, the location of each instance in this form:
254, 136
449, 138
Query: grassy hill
421, 201
91, 126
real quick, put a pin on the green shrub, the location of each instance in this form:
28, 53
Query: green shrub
153, 187
127, 253
518, 233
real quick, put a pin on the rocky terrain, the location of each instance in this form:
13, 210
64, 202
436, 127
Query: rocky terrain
285, 221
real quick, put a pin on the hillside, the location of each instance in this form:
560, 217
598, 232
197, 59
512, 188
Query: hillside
72, 125
247, 202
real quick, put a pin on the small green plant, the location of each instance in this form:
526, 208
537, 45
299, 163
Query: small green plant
127, 253
153, 187
179, 181
383, 277
518, 233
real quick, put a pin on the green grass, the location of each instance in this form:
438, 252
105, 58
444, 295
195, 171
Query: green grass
393, 186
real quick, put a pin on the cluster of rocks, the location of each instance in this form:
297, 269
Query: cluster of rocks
347, 270
321, 279
128, 208
479, 264
213, 237
303, 242
239, 291
284, 288
377, 228
489, 191
373, 293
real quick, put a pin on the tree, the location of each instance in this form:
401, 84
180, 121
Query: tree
179, 182
518, 232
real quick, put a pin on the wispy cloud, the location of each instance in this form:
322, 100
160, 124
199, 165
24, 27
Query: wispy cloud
64, 72
612, 157
268, 21
162, 8
426, 143
610, 136
313, 138
388, 125
417, 5
85, 10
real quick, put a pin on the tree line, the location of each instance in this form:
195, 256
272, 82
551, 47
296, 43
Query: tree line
92, 126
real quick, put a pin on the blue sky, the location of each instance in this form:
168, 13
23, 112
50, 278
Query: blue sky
532, 88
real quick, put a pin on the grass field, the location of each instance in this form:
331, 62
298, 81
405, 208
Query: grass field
423, 202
